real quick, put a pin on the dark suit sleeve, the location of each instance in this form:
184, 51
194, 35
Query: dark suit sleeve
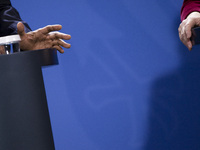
9, 17
188, 7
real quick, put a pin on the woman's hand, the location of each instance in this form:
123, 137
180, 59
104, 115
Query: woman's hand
185, 27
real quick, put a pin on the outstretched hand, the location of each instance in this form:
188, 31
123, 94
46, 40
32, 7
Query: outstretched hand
185, 27
43, 38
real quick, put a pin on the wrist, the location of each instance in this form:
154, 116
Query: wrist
194, 14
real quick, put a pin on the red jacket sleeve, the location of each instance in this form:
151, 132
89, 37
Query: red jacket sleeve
188, 7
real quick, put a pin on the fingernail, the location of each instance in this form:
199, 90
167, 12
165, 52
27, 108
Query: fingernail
69, 36
189, 45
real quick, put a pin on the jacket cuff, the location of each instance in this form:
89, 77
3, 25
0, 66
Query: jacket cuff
188, 8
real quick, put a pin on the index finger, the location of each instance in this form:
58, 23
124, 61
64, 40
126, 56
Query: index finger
50, 28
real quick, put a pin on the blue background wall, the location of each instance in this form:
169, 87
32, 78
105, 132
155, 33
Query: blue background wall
127, 83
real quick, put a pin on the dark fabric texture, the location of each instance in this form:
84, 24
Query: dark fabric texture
5, 2
9, 17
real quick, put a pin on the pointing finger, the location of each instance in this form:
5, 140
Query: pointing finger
50, 28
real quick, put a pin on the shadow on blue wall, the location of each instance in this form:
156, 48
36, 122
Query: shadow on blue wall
174, 121
175, 104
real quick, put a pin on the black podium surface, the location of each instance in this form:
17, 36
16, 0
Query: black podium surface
24, 115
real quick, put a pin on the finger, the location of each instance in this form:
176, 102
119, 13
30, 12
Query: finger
59, 35
189, 45
62, 43
59, 48
186, 38
180, 31
188, 28
183, 36
20, 29
50, 28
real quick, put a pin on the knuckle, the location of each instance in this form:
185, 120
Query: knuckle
182, 39
56, 35
49, 28
184, 22
179, 29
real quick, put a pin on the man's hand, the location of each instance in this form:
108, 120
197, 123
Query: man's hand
43, 38
185, 27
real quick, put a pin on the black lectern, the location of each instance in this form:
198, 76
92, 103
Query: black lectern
24, 116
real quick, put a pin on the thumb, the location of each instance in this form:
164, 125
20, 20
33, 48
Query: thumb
20, 29
193, 22
188, 28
